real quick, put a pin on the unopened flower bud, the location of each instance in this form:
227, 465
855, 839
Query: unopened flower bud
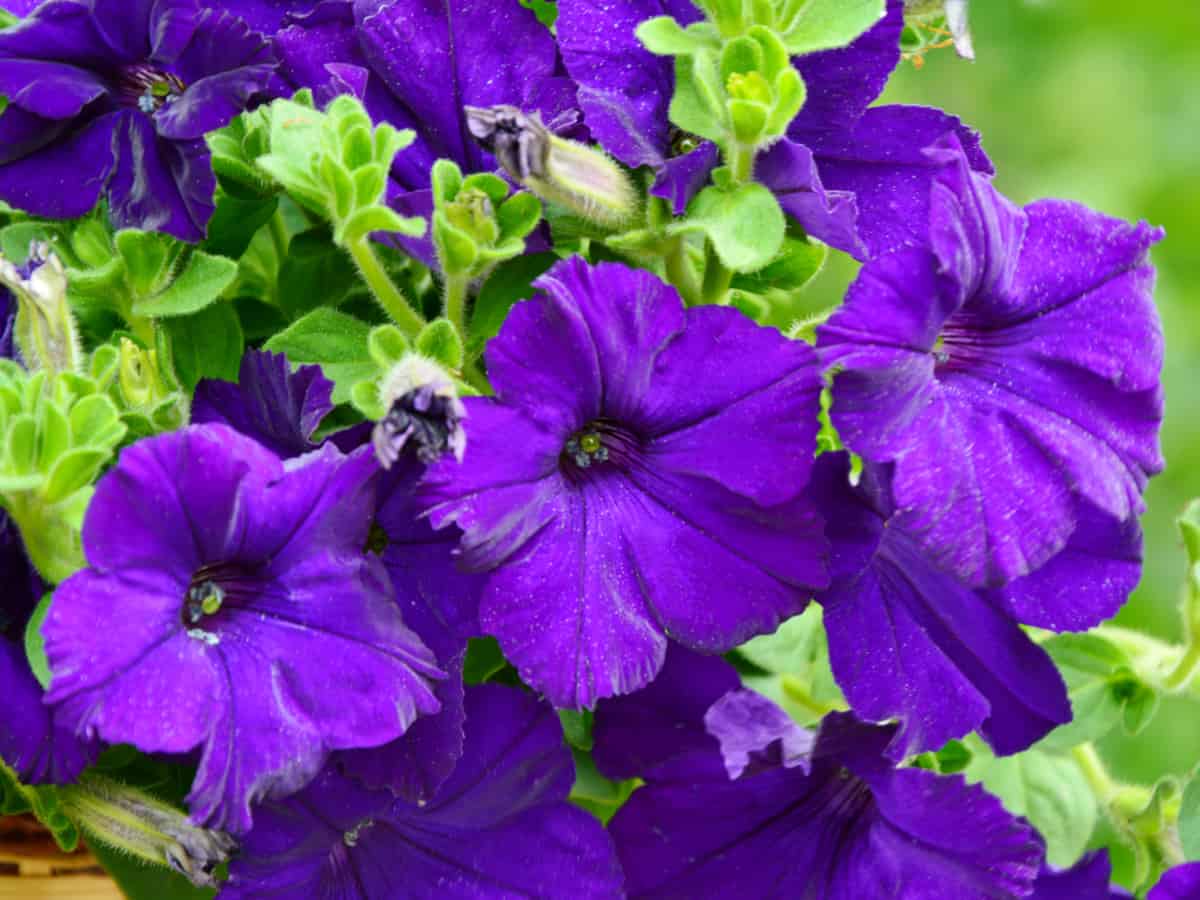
138, 376
581, 179
131, 820
424, 413
45, 329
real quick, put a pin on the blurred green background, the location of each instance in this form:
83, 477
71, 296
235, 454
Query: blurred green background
1099, 101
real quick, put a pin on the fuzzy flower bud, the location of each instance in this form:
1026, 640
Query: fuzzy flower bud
424, 413
955, 12
45, 329
581, 179
133, 821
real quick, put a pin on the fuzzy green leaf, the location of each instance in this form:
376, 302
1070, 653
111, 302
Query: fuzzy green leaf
334, 341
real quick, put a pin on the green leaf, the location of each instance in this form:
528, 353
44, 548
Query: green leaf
141, 881
371, 219
484, 660
441, 342
316, 273
663, 36
794, 661
203, 279
518, 216
35, 644
42, 801
1102, 687
74, 470
148, 258
595, 793
509, 283
829, 24
953, 758
334, 341
1049, 790
545, 10
236, 220
745, 225
446, 179
207, 344
387, 345
698, 104
1189, 820
577, 727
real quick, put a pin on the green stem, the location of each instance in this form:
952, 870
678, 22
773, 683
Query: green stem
406, 318
741, 162
680, 271
1181, 675
455, 303
717, 278
1096, 773
279, 235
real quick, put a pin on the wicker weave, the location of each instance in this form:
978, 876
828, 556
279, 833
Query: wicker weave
32, 867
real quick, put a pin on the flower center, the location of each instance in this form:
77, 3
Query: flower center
148, 87
215, 587
351, 837
599, 444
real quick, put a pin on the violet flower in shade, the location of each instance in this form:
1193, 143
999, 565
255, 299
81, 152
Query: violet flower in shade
851, 828
34, 742
279, 408
114, 97
1088, 879
1010, 371
8, 323
441, 604
500, 827
637, 731
909, 641
1179, 883
636, 478
416, 65
225, 587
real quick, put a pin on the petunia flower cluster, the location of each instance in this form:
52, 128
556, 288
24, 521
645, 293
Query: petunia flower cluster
404, 600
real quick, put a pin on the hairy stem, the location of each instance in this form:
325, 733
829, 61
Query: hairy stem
389, 296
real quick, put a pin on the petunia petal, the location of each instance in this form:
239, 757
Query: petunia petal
907, 641
636, 732
63, 177
270, 403
623, 88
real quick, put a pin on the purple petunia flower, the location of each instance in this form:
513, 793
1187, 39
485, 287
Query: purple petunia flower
441, 604
638, 731
1010, 372
1088, 879
230, 608
114, 97
1180, 883
34, 742
851, 176
8, 323
279, 408
856, 176
416, 65
848, 825
500, 827
909, 641
636, 478
267, 16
